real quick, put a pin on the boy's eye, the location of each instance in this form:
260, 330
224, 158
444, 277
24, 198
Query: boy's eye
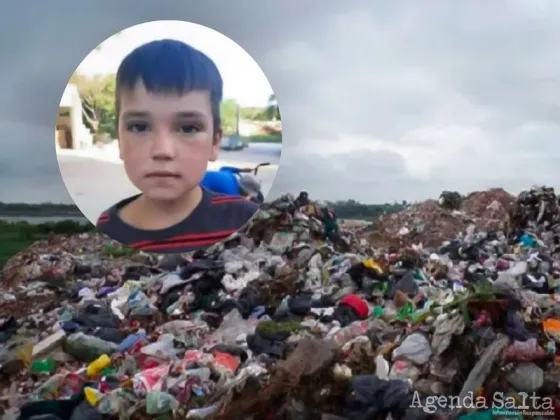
188, 129
137, 127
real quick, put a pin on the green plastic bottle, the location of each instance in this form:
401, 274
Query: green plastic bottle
45, 366
405, 312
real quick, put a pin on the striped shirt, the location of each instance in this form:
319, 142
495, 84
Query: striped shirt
216, 218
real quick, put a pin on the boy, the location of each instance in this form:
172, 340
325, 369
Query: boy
168, 97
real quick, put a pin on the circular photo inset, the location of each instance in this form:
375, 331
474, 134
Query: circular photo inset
168, 137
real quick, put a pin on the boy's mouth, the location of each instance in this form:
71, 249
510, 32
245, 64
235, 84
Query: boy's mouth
162, 174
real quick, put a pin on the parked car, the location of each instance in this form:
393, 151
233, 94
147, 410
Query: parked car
232, 143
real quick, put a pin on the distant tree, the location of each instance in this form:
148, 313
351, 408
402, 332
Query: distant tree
228, 112
352, 209
272, 110
252, 113
451, 200
98, 102
98, 97
45, 209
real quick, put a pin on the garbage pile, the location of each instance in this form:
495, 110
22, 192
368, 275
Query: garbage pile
287, 321
537, 207
492, 205
432, 222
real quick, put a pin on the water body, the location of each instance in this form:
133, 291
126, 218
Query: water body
46, 219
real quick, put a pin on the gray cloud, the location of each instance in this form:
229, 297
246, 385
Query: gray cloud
380, 100
467, 95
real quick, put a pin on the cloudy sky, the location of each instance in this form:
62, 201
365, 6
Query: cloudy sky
380, 101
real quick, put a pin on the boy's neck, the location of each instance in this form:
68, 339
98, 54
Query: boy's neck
147, 214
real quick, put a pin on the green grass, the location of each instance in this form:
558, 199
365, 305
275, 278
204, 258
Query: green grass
15, 237
264, 138
116, 251
13, 241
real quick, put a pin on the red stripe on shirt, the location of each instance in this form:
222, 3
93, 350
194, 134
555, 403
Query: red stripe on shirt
227, 199
179, 244
221, 197
103, 218
188, 238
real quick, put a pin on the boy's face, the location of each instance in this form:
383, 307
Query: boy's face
166, 140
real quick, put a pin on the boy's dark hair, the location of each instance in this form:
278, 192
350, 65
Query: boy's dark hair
170, 66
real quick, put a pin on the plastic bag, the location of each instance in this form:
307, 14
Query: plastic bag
552, 328
233, 327
162, 348
527, 377
139, 305
158, 402
16, 355
281, 241
150, 380
415, 348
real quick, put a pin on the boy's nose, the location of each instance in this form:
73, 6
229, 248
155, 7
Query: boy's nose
163, 146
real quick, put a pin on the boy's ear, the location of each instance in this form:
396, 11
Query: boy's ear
216, 143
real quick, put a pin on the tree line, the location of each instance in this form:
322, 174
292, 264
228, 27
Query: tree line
37, 231
352, 209
43, 209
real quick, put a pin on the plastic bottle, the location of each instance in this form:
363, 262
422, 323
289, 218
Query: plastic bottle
405, 312
131, 340
98, 365
45, 366
87, 348
92, 395
51, 386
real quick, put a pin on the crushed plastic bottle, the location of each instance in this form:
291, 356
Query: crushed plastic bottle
88, 348
97, 366
45, 366
131, 340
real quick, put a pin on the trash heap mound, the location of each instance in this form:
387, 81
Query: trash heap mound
431, 222
279, 322
427, 223
491, 207
536, 209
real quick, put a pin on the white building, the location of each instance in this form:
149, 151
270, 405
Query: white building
71, 133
